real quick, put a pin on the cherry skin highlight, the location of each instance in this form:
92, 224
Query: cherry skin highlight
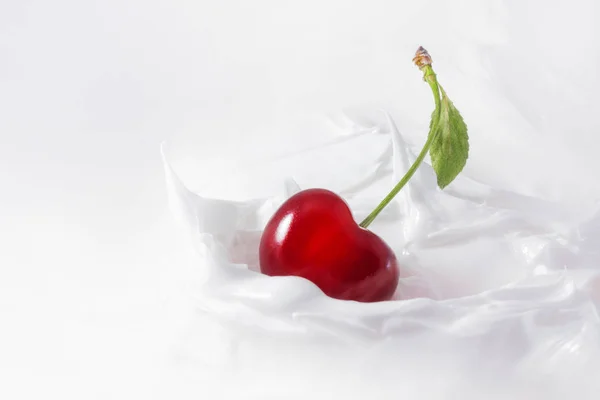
313, 235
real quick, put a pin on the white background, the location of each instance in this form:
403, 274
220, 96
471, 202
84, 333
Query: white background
93, 281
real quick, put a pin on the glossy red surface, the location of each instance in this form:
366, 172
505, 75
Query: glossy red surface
313, 235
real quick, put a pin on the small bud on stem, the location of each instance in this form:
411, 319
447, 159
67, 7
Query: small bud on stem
422, 58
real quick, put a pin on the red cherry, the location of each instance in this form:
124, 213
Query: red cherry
313, 235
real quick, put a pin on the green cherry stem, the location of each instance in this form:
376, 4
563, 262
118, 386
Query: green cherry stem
423, 61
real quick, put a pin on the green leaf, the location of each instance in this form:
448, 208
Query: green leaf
450, 147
